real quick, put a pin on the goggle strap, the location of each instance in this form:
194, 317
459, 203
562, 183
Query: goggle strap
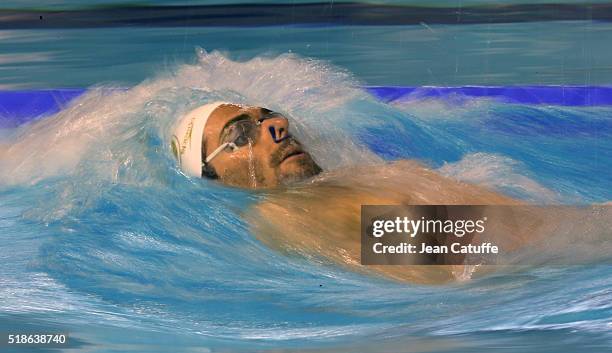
219, 149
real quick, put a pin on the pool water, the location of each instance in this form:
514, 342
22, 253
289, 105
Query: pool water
536, 53
103, 237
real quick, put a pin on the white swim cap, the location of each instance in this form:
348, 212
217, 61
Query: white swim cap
187, 138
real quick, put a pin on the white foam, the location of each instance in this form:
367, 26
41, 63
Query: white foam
106, 135
500, 173
451, 107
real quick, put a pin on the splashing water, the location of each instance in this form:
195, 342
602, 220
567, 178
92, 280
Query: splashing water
105, 238
252, 166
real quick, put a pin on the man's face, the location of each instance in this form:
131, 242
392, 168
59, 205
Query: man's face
266, 154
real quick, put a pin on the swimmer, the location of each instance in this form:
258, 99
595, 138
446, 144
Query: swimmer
241, 146
317, 213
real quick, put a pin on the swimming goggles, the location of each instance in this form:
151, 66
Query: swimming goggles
239, 134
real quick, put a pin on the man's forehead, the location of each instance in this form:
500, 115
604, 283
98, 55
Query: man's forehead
223, 113
226, 112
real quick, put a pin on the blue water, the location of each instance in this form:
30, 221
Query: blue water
537, 53
103, 238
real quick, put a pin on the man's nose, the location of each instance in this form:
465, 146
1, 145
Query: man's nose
278, 127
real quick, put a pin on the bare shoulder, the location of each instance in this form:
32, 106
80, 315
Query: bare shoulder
322, 218
399, 182
411, 182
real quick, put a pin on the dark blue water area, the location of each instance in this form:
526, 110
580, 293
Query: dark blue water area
19, 107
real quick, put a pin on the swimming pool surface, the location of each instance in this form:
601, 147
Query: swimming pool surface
104, 239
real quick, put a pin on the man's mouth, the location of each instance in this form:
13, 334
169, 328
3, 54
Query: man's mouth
292, 153
289, 150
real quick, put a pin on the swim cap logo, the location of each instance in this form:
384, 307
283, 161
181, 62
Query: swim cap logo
187, 137
178, 148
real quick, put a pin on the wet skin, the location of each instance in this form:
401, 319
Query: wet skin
270, 157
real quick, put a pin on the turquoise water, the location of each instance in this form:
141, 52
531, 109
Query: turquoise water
104, 239
551, 53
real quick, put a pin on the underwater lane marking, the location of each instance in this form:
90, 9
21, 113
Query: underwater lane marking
20, 106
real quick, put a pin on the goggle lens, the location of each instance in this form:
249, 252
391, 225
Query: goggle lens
241, 133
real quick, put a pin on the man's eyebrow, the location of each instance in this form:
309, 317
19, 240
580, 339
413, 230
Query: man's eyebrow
267, 113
